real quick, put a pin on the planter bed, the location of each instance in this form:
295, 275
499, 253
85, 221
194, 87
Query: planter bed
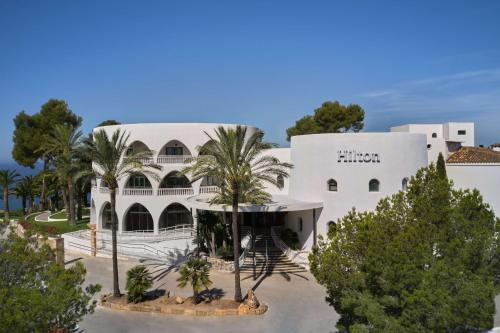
170, 305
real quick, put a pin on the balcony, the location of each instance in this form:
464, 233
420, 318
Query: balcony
179, 191
138, 191
209, 189
172, 159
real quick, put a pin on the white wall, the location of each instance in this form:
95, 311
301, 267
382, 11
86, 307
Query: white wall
315, 160
484, 177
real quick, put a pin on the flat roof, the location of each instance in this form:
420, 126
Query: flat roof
279, 203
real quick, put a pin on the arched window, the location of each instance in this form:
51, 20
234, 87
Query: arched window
175, 179
106, 217
374, 185
280, 181
175, 214
138, 181
404, 183
434, 135
332, 185
138, 218
331, 224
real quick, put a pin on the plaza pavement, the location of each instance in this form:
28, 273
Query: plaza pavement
296, 303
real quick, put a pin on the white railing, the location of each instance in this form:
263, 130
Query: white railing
209, 189
172, 159
296, 256
137, 191
146, 160
178, 229
246, 243
175, 191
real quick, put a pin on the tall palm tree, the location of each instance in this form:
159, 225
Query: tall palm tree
7, 179
111, 162
239, 163
64, 143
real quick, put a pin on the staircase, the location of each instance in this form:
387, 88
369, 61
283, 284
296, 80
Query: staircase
268, 259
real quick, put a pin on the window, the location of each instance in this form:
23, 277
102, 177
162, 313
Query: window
429, 146
404, 184
138, 181
174, 151
280, 181
331, 225
374, 185
462, 132
434, 135
332, 185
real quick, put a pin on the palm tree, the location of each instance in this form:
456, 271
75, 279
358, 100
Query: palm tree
239, 163
196, 272
25, 189
111, 162
7, 179
64, 144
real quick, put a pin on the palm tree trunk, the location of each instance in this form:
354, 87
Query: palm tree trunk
23, 202
65, 199
79, 200
212, 243
116, 287
43, 195
224, 229
6, 215
71, 197
236, 245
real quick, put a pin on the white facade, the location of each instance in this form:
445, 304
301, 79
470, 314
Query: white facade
332, 174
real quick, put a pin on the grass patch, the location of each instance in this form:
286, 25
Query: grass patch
57, 228
59, 215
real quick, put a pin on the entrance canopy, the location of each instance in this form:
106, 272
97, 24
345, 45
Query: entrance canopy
279, 203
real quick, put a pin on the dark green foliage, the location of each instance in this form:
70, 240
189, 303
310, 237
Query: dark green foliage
330, 117
7, 179
108, 122
31, 132
226, 253
441, 166
195, 272
37, 294
290, 238
426, 260
138, 281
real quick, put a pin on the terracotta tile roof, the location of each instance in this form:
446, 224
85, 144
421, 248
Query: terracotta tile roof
474, 155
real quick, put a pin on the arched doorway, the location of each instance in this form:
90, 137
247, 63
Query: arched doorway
138, 218
106, 217
174, 215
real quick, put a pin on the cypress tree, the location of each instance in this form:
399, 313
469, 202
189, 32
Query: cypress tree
441, 167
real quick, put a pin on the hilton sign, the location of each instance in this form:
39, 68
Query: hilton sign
354, 156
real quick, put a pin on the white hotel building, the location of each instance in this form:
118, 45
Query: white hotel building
332, 173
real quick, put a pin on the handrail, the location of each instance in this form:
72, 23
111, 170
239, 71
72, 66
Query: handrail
172, 159
298, 257
246, 249
176, 191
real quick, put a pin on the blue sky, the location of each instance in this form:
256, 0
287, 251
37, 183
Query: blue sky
260, 63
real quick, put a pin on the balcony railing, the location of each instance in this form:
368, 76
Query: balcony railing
209, 189
137, 191
175, 191
172, 159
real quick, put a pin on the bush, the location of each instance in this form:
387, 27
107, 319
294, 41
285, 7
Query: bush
138, 281
195, 272
290, 238
226, 253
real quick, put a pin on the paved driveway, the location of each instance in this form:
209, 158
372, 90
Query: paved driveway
296, 304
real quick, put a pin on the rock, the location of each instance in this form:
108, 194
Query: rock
252, 302
179, 300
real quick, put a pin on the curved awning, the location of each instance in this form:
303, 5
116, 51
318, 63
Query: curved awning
279, 203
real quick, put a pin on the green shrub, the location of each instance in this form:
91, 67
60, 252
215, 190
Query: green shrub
195, 272
226, 253
290, 238
138, 281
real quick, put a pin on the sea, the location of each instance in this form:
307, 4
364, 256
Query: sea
16, 203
